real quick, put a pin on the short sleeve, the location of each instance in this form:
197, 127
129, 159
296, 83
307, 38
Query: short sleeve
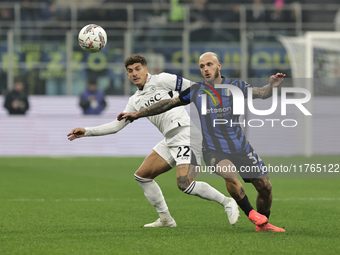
129, 107
173, 82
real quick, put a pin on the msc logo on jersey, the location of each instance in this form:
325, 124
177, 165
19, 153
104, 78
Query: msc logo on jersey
153, 100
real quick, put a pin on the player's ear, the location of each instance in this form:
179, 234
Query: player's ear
147, 69
219, 66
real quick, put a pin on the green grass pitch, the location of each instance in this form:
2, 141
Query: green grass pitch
94, 206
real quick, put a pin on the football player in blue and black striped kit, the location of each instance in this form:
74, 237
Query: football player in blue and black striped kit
225, 146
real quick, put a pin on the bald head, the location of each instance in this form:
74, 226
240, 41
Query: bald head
209, 54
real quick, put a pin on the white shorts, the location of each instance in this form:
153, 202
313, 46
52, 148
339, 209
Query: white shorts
177, 149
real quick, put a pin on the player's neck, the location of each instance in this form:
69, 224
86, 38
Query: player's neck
140, 86
218, 80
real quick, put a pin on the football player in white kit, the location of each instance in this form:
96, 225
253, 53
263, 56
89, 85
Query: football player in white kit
174, 150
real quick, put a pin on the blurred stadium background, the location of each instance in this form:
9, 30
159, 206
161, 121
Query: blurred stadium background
39, 44
56, 203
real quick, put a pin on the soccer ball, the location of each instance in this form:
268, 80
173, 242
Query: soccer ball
92, 38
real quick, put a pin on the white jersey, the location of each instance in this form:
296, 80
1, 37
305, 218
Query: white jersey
158, 87
174, 124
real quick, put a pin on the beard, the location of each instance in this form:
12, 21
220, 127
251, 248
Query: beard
213, 78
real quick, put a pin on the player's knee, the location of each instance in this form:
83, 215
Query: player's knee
263, 186
183, 183
144, 174
266, 190
141, 174
232, 181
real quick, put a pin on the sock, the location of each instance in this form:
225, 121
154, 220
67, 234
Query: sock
226, 200
204, 190
155, 196
245, 205
265, 213
165, 216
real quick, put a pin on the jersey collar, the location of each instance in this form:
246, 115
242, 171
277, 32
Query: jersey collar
223, 79
147, 80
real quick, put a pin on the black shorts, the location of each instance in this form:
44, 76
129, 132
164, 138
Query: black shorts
247, 162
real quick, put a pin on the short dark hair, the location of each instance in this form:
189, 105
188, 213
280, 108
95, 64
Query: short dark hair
135, 58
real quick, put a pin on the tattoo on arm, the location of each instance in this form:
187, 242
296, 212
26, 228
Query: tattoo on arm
160, 107
264, 92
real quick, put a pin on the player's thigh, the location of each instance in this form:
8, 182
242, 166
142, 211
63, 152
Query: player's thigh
152, 166
226, 169
249, 164
220, 163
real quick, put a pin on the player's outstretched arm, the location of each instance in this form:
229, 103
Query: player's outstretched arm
157, 108
106, 129
266, 91
76, 133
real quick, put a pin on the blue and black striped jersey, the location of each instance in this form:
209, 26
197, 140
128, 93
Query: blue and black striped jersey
222, 137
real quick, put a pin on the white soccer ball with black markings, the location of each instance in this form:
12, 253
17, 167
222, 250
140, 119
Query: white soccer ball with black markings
92, 38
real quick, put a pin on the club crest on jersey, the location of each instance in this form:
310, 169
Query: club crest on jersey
215, 101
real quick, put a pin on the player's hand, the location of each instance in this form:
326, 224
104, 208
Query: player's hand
276, 80
76, 133
127, 116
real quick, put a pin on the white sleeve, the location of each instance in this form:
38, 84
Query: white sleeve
112, 127
130, 106
106, 129
174, 82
